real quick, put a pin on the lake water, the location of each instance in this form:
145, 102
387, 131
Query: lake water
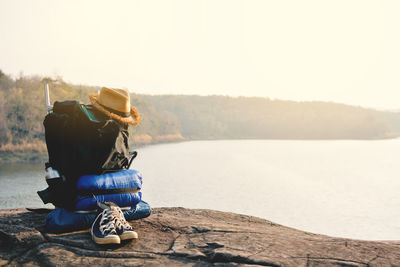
340, 188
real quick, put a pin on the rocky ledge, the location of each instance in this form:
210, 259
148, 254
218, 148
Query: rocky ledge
178, 236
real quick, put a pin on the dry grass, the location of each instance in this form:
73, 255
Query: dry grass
38, 146
147, 139
143, 139
169, 138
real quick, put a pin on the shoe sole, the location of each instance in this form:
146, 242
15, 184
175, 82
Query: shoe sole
130, 235
114, 239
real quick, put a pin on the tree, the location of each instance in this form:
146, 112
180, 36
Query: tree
3, 120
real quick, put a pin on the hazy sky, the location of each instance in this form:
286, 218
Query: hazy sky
343, 51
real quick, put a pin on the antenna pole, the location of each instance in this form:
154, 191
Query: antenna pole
49, 108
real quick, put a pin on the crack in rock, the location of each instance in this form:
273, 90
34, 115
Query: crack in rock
227, 257
341, 262
20, 255
102, 253
207, 253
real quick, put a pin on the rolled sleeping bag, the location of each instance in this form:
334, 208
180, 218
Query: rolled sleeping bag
61, 220
121, 187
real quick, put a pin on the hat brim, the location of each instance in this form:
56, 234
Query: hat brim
134, 118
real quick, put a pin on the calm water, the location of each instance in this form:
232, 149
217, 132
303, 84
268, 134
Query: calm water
341, 188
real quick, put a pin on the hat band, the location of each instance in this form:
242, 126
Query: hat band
122, 114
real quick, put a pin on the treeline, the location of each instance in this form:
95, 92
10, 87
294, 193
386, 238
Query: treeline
222, 117
174, 117
22, 106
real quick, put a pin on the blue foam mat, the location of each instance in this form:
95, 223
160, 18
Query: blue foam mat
62, 220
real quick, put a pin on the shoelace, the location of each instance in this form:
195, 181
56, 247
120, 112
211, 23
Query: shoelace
121, 222
107, 222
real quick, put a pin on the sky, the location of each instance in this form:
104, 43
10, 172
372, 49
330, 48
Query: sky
345, 51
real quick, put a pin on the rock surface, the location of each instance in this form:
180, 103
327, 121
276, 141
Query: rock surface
178, 236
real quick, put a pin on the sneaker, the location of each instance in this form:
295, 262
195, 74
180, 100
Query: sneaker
124, 230
103, 228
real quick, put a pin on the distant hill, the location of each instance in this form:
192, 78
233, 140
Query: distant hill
222, 117
176, 117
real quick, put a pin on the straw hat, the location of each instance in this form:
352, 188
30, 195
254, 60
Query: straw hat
116, 104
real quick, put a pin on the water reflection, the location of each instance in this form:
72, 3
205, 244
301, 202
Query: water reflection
19, 183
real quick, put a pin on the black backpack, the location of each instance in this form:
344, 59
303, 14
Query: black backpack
81, 140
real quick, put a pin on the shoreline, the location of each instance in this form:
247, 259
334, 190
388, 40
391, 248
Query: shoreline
39, 156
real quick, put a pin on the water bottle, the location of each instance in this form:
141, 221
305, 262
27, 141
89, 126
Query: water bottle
52, 175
